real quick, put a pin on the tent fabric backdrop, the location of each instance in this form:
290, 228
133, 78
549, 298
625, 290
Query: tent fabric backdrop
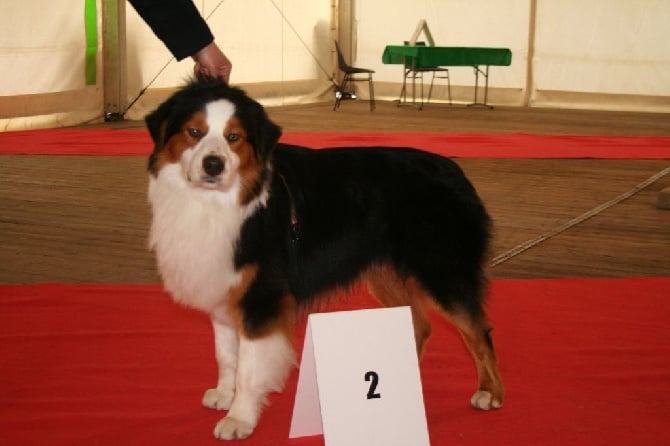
613, 58
512, 145
585, 361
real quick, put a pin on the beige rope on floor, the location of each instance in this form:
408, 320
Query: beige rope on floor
578, 220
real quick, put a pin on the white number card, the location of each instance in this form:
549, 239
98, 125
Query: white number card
359, 382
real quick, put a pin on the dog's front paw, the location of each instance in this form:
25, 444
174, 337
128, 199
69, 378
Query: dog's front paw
232, 429
484, 400
218, 399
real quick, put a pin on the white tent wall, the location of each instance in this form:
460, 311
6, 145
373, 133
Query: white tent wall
600, 54
42, 64
607, 54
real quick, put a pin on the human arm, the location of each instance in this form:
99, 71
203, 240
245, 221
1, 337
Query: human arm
179, 25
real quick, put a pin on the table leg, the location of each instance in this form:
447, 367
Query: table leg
486, 87
402, 101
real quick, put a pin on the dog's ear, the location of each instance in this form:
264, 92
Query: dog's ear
156, 122
271, 134
264, 133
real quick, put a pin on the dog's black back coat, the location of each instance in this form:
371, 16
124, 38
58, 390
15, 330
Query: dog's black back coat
333, 213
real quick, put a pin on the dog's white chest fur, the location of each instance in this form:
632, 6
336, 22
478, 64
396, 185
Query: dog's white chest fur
194, 233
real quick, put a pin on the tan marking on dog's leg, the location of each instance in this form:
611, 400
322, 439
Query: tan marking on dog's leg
490, 393
285, 320
232, 306
390, 289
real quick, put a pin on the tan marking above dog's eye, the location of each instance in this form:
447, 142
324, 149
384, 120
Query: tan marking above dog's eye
232, 137
194, 132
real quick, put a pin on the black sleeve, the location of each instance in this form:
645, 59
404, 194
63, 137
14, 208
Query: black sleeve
177, 23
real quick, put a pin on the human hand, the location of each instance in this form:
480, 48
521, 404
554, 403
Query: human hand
210, 62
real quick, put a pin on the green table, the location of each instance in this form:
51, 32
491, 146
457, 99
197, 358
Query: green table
450, 56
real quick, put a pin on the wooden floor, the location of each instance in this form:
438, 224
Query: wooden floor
85, 219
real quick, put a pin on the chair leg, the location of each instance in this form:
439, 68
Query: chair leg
372, 94
343, 85
337, 97
421, 105
403, 91
349, 79
414, 87
449, 87
430, 90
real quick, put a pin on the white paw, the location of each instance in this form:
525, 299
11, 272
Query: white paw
232, 429
483, 399
218, 399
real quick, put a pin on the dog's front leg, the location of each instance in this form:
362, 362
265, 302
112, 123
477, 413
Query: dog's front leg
264, 364
226, 345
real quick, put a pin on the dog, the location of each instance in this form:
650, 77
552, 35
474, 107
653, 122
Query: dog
251, 231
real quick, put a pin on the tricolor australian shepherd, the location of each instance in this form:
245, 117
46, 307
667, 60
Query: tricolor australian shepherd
249, 230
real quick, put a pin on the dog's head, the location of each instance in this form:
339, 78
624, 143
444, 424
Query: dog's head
212, 136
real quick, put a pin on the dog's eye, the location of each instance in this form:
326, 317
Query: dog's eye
232, 137
195, 133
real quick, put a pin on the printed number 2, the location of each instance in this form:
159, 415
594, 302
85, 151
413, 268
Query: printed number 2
373, 377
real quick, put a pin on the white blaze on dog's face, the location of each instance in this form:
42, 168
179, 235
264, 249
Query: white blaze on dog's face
216, 137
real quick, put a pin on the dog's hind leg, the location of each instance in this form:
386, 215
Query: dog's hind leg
476, 333
392, 290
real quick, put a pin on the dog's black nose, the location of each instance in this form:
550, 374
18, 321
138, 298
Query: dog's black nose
213, 165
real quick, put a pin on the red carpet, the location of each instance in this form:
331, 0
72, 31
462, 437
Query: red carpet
585, 361
137, 142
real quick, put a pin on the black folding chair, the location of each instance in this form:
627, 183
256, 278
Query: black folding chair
350, 75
